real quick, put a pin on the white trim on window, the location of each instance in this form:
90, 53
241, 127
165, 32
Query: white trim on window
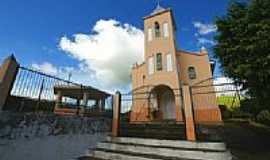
150, 65
150, 34
169, 63
166, 29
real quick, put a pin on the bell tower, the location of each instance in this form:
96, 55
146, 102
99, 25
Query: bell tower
160, 46
159, 28
161, 62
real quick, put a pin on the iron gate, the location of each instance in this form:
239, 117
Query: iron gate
141, 117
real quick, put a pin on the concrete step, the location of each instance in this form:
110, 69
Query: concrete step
156, 122
154, 125
117, 156
186, 145
155, 135
127, 148
88, 157
171, 131
169, 128
164, 152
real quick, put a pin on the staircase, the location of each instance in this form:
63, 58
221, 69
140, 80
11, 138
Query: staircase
168, 130
156, 141
123, 148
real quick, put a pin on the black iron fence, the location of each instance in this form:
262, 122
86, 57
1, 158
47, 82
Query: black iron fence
222, 92
220, 89
36, 85
34, 90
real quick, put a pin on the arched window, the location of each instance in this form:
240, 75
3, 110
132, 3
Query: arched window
157, 29
159, 61
191, 72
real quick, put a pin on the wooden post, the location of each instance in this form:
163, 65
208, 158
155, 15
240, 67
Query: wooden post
85, 101
8, 72
116, 114
103, 104
188, 111
58, 102
96, 105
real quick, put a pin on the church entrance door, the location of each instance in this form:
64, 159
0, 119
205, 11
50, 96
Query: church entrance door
162, 103
167, 105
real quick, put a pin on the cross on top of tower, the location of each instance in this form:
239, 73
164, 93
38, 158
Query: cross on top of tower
158, 8
158, 2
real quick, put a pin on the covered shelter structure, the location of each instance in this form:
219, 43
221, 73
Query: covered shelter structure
80, 100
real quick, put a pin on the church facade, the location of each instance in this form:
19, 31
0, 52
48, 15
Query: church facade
164, 70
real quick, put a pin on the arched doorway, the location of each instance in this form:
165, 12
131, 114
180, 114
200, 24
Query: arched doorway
162, 103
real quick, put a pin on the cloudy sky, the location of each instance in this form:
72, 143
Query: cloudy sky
96, 41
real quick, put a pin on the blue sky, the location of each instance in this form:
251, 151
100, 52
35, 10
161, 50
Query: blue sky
33, 29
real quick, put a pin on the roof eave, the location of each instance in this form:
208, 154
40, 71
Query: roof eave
159, 13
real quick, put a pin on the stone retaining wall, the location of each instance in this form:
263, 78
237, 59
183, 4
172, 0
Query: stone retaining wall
46, 136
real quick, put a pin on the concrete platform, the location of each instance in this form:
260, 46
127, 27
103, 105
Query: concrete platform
149, 149
207, 146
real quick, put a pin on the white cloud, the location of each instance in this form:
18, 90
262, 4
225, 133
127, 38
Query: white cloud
204, 41
204, 29
79, 74
110, 50
46, 67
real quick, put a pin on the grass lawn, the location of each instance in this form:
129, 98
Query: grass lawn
247, 140
231, 102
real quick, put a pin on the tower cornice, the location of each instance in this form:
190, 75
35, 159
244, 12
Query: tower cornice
162, 12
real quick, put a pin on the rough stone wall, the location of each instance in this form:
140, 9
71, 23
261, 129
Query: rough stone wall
24, 104
32, 136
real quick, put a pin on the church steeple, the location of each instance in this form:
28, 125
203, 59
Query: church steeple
158, 9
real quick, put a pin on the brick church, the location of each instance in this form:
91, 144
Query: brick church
164, 69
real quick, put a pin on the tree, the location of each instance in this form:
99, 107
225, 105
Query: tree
243, 48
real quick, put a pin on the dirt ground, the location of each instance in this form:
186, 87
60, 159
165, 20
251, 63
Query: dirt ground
247, 140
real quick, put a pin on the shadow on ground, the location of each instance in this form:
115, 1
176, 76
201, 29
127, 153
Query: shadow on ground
247, 141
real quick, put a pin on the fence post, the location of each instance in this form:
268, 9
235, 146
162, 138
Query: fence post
188, 111
8, 72
116, 114
39, 95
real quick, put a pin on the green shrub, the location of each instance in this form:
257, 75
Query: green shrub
264, 117
231, 102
